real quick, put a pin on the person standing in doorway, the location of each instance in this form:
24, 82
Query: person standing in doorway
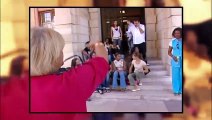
138, 33
129, 35
116, 34
175, 52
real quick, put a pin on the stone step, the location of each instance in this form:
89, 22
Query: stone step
162, 98
157, 73
156, 78
143, 94
157, 81
149, 58
156, 67
154, 62
153, 87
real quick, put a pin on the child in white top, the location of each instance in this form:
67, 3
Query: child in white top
119, 68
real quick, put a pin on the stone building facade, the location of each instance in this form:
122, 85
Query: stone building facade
160, 22
79, 25
15, 20
167, 20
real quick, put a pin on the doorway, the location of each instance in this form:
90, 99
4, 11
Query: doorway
121, 15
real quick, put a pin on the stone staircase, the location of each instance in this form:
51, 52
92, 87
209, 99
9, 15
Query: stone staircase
155, 95
157, 68
157, 85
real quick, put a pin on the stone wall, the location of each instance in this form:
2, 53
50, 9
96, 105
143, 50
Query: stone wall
73, 24
167, 20
151, 37
77, 26
95, 24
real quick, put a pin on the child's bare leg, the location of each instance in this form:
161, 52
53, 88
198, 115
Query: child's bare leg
136, 85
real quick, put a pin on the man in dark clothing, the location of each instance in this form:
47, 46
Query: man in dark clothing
86, 51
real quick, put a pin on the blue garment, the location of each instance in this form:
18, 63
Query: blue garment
110, 58
106, 82
177, 66
117, 42
122, 79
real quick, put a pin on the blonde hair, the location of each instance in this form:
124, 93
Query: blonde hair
45, 51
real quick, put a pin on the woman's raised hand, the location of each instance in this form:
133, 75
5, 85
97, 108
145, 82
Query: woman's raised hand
99, 49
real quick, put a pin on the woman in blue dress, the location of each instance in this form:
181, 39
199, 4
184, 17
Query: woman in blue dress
175, 52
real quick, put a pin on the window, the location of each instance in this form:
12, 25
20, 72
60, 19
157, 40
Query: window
46, 17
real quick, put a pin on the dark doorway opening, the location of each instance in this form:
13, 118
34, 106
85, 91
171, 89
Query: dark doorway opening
109, 15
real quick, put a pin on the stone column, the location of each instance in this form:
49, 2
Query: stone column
72, 23
167, 20
150, 17
80, 29
34, 17
63, 21
95, 24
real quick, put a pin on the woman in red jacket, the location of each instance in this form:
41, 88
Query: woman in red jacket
66, 92
50, 92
